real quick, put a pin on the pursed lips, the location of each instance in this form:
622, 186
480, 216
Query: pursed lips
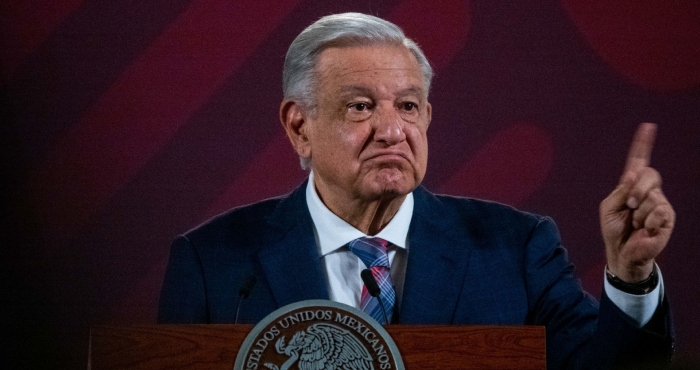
388, 156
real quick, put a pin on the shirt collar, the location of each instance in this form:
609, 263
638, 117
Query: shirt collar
333, 232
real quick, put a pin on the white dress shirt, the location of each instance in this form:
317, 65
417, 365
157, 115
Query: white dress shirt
343, 267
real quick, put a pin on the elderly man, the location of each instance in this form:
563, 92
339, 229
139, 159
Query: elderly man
357, 113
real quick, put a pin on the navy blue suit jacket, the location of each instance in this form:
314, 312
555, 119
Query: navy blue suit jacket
469, 262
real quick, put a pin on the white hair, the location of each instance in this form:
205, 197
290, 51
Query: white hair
338, 30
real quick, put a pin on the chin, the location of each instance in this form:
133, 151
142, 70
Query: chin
393, 188
389, 182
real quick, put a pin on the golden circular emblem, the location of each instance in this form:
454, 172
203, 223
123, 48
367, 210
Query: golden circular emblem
318, 334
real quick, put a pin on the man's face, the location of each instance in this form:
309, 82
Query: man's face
368, 139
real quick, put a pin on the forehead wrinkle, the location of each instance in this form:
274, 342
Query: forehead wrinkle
322, 58
339, 73
349, 71
346, 89
412, 90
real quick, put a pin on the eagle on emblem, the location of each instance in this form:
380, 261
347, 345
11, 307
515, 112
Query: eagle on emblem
323, 347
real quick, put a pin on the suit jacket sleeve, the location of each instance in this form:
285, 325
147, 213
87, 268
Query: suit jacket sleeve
183, 296
580, 332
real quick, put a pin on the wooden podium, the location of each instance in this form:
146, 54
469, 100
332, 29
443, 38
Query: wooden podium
215, 346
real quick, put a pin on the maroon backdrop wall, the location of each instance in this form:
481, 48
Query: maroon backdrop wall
125, 123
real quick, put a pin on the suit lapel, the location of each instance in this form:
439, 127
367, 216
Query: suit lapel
437, 263
290, 257
437, 259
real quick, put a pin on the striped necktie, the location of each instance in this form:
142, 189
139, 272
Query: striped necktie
373, 252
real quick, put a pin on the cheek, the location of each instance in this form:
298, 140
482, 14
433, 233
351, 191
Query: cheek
341, 143
352, 138
418, 141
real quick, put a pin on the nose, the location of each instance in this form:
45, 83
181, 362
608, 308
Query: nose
389, 127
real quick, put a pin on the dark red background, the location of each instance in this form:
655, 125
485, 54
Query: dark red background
125, 123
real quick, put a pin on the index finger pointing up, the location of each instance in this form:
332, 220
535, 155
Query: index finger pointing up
640, 151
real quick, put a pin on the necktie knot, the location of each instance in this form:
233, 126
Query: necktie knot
371, 251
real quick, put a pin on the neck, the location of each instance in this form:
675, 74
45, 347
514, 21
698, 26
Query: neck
370, 217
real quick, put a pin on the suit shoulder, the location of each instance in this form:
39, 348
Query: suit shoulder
488, 211
491, 225
487, 220
234, 223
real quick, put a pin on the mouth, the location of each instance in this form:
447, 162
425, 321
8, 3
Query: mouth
388, 156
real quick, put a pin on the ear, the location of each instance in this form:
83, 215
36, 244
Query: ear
295, 123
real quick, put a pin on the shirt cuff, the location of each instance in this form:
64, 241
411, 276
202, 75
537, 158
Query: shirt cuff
638, 307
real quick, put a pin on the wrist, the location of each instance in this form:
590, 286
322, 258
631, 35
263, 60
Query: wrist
640, 287
630, 272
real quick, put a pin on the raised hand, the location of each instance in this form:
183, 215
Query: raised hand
636, 219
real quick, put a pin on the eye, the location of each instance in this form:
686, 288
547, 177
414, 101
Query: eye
359, 107
409, 106
359, 111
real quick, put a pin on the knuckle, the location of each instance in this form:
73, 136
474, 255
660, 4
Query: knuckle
638, 216
629, 177
651, 175
656, 194
663, 213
